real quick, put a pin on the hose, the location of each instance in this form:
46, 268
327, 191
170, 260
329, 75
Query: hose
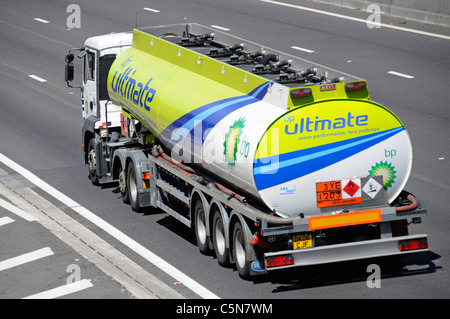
411, 206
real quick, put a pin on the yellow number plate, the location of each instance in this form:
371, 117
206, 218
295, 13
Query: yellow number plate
302, 241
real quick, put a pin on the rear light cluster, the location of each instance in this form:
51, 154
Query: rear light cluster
277, 261
413, 244
303, 92
355, 86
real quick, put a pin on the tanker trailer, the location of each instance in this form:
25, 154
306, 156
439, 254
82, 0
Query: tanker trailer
274, 163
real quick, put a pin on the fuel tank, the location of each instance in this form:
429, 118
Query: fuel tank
252, 133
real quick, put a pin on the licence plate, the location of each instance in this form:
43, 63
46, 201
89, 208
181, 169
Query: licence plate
302, 241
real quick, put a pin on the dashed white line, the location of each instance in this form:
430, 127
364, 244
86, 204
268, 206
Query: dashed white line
151, 10
219, 27
302, 49
25, 258
403, 75
16, 210
430, 34
62, 290
41, 20
6, 220
37, 78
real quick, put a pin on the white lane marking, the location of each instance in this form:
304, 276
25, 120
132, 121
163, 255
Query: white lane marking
25, 258
302, 49
132, 244
152, 10
62, 290
16, 210
219, 27
35, 77
446, 37
6, 220
403, 75
41, 20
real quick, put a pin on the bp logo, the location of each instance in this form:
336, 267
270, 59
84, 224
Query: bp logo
232, 140
386, 170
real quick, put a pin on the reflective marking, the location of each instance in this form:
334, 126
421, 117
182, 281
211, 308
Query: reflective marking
152, 10
62, 290
25, 258
16, 210
401, 75
35, 77
219, 27
302, 49
5, 221
41, 20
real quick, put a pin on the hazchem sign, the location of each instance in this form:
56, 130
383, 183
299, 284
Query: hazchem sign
335, 193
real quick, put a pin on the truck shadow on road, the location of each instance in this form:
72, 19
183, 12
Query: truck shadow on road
355, 271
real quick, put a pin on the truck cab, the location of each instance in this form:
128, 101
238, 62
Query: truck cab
101, 117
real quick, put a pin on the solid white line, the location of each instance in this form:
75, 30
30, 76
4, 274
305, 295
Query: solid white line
219, 27
138, 248
152, 10
302, 49
62, 290
35, 77
401, 74
41, 20
358, 20
25, 258
16, 210
6, 220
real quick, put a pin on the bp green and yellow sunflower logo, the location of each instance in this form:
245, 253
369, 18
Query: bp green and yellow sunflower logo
386, 170
232, 139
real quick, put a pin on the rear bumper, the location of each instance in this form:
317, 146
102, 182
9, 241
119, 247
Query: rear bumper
346, 252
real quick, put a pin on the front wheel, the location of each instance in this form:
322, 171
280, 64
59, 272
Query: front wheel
92, 163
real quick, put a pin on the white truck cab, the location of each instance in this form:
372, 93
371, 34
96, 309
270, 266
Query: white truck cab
99, 113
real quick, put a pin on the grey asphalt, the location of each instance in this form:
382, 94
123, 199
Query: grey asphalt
40, 126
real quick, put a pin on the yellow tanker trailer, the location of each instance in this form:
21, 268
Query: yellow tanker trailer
273, 162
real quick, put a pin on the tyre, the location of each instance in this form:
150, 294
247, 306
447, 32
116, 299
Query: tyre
123, 186
92, 163
240, 251
132, 188
200, 228
219, 239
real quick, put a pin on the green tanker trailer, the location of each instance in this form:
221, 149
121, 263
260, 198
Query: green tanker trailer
273, 162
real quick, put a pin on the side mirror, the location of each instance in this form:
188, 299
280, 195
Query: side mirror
70, 70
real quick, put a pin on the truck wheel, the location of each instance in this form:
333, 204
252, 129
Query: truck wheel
240, 252
132, 188
219, 240
200, 227
92, 163
123, 186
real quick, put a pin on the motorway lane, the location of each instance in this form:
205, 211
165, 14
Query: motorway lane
42, 124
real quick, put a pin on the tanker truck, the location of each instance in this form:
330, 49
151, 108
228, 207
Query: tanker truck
272, 161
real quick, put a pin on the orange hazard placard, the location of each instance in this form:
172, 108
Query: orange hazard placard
330, 194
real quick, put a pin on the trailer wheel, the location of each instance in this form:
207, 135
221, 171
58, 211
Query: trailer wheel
92, 163
200, 227
132, 188
219, 239
240, 252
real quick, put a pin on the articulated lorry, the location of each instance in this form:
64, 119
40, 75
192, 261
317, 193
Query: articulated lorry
274, 162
